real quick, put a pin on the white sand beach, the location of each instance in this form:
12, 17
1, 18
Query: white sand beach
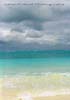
48, 87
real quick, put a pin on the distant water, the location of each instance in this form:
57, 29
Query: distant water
34, 62
34, 54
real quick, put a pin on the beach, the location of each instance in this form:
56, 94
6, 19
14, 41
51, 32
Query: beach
34, 49
60, 97
43, 78
45, 86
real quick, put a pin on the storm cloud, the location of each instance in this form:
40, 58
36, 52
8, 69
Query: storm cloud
34, 26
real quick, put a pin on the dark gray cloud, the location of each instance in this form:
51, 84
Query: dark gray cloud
19, 14
35, 27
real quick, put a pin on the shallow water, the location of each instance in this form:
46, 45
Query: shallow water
34, 65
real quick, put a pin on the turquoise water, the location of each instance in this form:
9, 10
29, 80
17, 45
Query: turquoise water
34, 62
34, 54
18, 66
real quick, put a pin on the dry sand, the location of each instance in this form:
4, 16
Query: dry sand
62, 97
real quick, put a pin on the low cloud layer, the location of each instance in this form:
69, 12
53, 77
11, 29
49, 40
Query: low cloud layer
34, 26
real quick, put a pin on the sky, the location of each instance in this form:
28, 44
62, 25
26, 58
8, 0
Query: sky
36, 26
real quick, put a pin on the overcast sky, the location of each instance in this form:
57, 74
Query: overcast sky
34, 27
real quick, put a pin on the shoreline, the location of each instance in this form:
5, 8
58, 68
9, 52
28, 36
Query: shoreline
34, 74
47, 86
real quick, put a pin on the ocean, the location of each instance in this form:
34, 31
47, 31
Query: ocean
37, 73
34, 62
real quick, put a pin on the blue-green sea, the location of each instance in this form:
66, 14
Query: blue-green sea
12, 63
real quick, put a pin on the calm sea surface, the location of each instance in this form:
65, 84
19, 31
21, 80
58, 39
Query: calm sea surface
34, 62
